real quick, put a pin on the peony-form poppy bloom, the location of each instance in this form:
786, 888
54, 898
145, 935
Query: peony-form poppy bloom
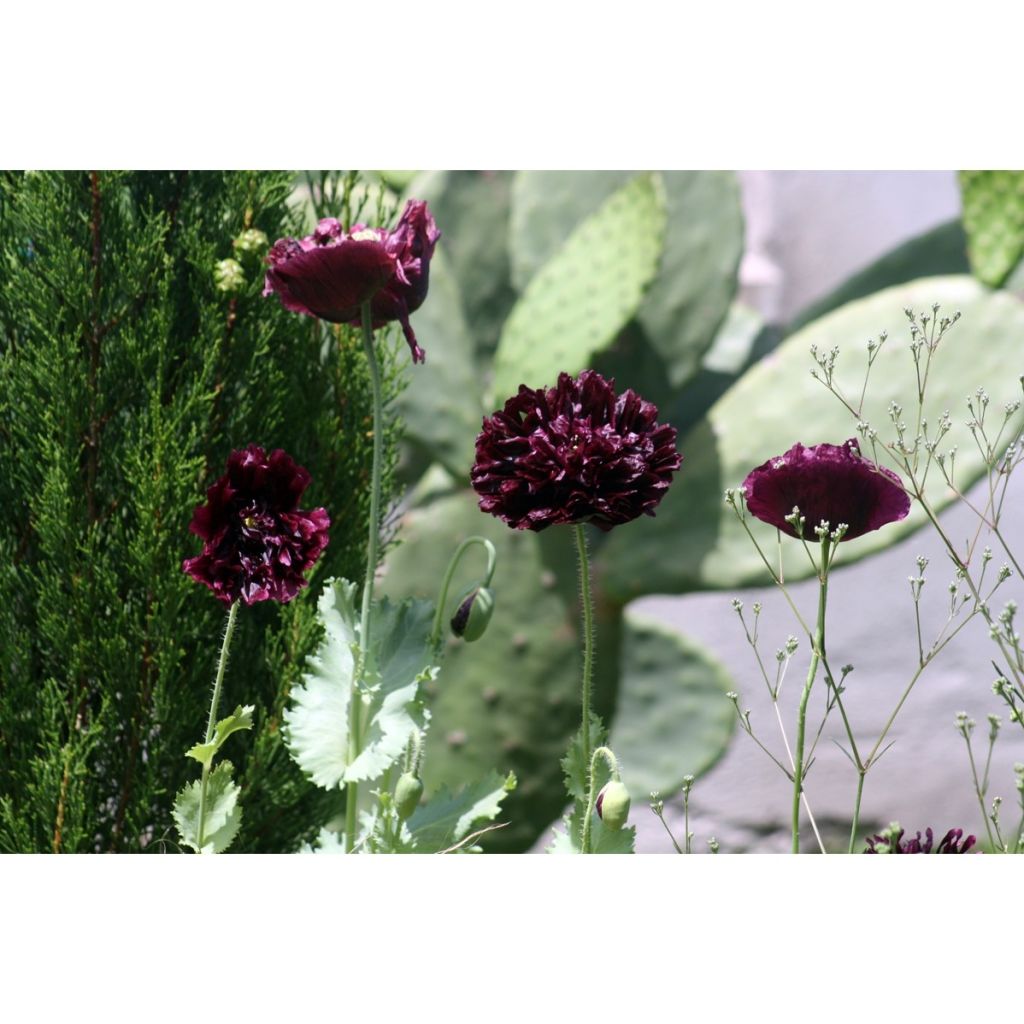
258, 542
830, 482
332, 272
573, 453
892, 841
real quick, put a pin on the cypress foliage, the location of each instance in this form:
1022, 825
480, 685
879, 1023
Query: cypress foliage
126, 378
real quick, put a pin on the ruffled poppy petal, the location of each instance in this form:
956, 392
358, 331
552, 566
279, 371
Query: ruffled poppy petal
258, 542
573, 453
826, 482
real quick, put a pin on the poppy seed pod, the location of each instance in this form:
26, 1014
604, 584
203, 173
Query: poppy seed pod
473, 614
408, 792
613, 805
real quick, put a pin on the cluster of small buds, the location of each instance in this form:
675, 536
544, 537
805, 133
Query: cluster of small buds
839, 532
827, 364
1018, 771
994, 722
228, 276
823, 530
788, 650
251, 242
797, 521
734, 499
964, 724
713, 845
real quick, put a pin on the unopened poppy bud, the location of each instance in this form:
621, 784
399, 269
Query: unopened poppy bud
251, 242
613, 805
473, 614
407, 795
228, 276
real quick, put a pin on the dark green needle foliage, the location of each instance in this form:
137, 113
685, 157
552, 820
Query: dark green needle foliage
126, 378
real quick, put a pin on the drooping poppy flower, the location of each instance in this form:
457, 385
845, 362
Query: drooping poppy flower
830, 482
892, 841
573, 453
257, 541
332, 272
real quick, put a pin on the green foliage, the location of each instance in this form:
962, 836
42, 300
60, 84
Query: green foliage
509, 701
769, 410
441, 409
398, 664
448, 819
696, 278
223, 814
126, 378
582, 297
672, 718
993, 203
240, 719
569, 838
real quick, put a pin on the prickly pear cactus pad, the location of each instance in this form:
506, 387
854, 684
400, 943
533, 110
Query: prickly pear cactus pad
582, 297
671, 718
994, 221
696, 542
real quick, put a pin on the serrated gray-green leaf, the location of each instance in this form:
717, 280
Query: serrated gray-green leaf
223, 815
398, 664
447, 819
239, 719
586, 293
574, 764
326, 842
603, 840
316, 723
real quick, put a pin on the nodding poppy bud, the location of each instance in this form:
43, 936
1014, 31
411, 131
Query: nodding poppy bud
228, 276
613, 805
473, 614
407, 795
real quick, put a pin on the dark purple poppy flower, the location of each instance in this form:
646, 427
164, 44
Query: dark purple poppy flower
830, 482
332, 272
258, 542
892, 841
573, 453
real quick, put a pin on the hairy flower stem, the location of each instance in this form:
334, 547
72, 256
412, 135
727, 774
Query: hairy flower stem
355, 697
212, 723
442, 600
817, 654
613, 767
586, 600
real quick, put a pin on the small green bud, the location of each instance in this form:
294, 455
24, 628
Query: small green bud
407, 795
473, 614
251, 242
613, 805
228, 276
